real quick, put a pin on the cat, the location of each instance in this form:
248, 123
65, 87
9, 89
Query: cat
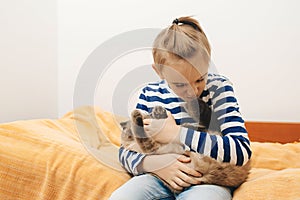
134, 138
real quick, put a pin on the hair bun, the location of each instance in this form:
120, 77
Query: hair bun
175, 21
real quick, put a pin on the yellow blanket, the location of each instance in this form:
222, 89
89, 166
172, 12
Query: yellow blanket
45, 159
275, 173
51, 159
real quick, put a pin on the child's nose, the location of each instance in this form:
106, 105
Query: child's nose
192, 91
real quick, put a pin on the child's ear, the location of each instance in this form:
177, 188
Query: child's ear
158, 72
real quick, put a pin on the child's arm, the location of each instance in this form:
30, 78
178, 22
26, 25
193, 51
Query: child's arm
174, 169
233, 146
130, 160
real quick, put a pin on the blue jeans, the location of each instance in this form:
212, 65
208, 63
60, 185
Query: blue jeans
148, 187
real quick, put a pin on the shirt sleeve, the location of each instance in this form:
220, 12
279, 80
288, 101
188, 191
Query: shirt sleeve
131, 160
234, 145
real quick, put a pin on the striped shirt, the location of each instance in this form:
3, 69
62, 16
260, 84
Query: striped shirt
232, 147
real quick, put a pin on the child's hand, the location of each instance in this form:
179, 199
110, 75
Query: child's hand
173, 169
162, 130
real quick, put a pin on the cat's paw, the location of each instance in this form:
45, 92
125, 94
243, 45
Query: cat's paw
195, 126
137, 118
159, 112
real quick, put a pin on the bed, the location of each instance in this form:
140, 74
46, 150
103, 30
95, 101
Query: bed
76, 157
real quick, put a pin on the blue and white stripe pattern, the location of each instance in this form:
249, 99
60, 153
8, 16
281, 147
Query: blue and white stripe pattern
232, 147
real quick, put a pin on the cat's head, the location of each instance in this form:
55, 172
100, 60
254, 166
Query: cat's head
126, 135
199, 111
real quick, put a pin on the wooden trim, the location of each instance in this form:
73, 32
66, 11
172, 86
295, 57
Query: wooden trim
282, 132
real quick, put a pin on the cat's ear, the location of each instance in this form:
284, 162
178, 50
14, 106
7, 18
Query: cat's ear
158, 71
124, 124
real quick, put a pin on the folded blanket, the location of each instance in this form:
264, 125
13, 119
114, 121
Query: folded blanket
45, 159
76, 157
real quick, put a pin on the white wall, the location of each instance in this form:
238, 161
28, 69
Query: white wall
28, 64
255, 43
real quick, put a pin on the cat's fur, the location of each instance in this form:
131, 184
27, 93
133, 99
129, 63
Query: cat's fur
213, 172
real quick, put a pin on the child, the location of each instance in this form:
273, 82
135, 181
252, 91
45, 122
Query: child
181, 55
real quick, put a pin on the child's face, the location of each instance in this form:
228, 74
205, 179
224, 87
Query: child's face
184, 79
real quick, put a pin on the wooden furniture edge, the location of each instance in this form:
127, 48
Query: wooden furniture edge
282, 132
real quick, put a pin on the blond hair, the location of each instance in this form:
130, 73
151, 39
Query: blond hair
182, 40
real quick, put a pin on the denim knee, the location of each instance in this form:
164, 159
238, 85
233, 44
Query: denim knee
205, 192
142, 187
